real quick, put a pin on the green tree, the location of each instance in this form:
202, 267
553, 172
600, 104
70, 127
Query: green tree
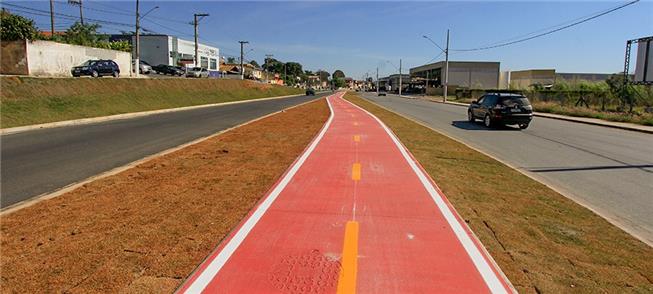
254, 63
85, 35
15, 27
231, 60
338, 74
338, 82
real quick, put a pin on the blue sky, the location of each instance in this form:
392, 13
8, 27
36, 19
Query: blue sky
356, 37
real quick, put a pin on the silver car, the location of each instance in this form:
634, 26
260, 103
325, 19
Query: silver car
143, 67
197, 72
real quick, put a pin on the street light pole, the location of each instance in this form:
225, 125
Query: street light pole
446, 68
137, 41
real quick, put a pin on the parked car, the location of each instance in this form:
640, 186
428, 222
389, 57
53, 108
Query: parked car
143, 67
310, 92
165, 69
501, 109
197, 72
96, 68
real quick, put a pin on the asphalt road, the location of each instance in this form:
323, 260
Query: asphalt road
606, 169
41, 161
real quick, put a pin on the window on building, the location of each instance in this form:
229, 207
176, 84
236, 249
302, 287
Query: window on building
204, 62
214, 64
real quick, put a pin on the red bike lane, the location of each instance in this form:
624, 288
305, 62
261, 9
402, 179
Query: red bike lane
354, 213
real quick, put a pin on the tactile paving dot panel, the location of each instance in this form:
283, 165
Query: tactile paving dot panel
313, 272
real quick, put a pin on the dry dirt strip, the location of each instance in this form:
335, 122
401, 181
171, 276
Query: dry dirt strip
146, 228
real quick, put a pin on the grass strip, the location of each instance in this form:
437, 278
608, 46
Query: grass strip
145, 229
27, 101
543, 241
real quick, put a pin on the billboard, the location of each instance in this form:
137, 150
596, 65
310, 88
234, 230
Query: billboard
644, 61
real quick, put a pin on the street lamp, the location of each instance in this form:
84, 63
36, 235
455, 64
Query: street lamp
137, 61
446, 63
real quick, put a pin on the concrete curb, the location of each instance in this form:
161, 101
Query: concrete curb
91, 120
48, 195
583, 120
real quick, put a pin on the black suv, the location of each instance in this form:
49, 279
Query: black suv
310, 92
96, 68
501, 109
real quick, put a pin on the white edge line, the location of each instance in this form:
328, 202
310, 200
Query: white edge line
219, 261
486, 271
53, 194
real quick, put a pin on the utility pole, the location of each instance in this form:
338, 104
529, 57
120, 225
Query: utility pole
195, 24
377, 81
267, 71
137, 61
81, 14
76, 2
52, 17
399, 77
427, 83
446, 68
242, 61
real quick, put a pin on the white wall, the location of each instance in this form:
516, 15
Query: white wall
46, 58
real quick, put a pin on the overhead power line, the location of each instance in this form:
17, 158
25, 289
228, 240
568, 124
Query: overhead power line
47, 13
583, 20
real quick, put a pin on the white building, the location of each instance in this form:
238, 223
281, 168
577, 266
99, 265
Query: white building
170, 50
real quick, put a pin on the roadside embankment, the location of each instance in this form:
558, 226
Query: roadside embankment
543, 241
145, 229
29, 101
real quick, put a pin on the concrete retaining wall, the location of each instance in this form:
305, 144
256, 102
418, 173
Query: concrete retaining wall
52, 59
48, 58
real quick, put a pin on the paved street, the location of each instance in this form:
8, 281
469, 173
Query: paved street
608, 170
41, 161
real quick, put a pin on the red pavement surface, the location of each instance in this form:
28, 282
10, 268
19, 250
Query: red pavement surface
355, 213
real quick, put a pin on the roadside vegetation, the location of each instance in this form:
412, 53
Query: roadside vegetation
27, 101
144, 230
602, 100
543, 241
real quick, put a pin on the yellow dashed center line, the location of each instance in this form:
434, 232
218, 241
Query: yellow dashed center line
347, 279
355, 123
356, 172
357, 138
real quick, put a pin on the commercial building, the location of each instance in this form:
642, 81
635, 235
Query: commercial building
467, 74
391, 82
170, 50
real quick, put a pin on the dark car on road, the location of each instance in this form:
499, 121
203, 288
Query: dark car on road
165, 69
381, 92
96, 69
310, 92
501, 109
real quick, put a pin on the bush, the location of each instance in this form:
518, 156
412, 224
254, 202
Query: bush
15, 27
